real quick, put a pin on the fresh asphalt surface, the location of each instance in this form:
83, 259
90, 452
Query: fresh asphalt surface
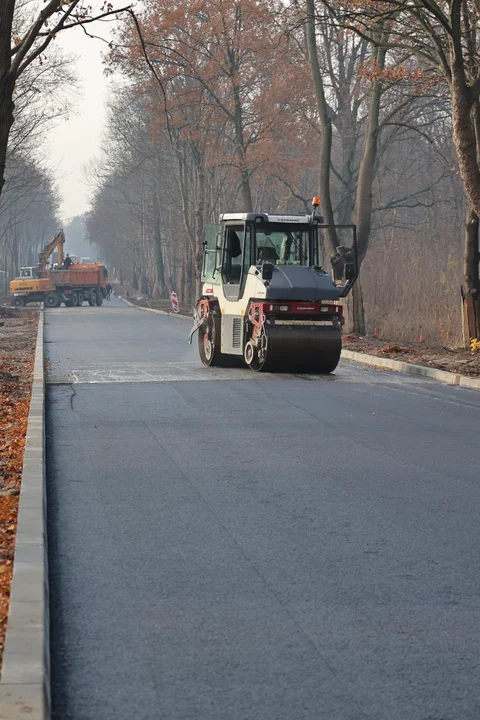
231, 546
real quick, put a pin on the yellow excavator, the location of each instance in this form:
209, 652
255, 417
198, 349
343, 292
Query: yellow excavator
34, 282
71, 286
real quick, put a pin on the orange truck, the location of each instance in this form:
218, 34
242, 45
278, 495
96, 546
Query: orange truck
72, 286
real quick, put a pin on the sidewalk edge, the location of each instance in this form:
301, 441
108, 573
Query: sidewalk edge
421, 370
25, 681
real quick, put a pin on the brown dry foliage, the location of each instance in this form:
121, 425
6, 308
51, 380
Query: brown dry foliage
17, 350
453, 360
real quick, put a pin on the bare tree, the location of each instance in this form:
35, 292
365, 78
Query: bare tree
28, 215
443, 36
19, 52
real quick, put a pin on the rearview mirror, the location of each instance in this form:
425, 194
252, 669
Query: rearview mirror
267, 271
350, 271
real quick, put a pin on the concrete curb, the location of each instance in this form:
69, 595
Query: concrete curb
154, 310
25, 682
400, 366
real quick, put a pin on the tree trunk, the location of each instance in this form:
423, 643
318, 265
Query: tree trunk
324, 185
358, 312
325, 127
199, 223
246, 190
366, 175
183, 282
464, 132
6, 122
7, 82
354, 312
471, 287
159, 285
241, 154
347, 128
189, 294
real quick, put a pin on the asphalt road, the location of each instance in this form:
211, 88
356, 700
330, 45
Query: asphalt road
231, 546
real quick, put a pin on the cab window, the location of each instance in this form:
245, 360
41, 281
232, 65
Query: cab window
212, 238
247, 256
282, 247
233, 256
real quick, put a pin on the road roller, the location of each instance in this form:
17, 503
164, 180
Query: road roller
272, 286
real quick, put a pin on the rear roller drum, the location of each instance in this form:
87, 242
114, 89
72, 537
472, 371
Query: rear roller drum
257, 356
295, 349
209, 339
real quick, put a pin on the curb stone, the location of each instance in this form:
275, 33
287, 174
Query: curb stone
400, 366
25, 681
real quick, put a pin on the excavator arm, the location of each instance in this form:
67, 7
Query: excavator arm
56, 242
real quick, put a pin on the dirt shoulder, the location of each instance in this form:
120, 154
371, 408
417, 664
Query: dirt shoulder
18, 333
452, 360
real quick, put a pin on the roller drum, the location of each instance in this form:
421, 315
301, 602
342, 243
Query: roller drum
305, 348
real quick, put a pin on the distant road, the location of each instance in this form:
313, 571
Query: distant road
232, 546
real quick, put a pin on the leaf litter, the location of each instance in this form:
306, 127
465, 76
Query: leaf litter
17, 353
454, 360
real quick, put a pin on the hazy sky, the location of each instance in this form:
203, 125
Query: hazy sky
77, 140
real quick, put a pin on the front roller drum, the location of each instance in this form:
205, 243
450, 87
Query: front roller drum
209, 345
296, 349
209, 342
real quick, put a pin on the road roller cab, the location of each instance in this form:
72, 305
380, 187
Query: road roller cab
271, 286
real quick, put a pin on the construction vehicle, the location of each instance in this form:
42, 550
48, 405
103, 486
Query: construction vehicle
271, 293
72, 285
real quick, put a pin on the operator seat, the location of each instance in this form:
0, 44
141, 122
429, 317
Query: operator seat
267, 254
